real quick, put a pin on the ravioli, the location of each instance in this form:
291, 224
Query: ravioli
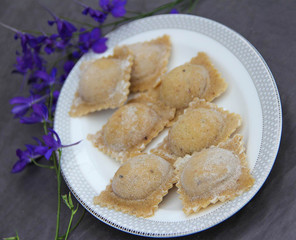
198, 78
182, 84
138, 186
132, 127
150, 62
104, 83
202, 125
214, 174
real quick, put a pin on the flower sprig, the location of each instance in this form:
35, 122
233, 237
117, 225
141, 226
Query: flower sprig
44, 80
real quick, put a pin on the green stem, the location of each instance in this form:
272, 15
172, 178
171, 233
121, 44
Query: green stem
80, 219
75, 226
34, 32
192, 6
50, 117
75, 21
57, 164
42, 165
70, 222
45, 127
60, 59
76, 34
133, 12
13, 238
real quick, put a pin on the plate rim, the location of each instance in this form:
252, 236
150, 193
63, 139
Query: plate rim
273, 158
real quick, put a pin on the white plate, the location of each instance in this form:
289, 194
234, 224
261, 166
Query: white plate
252, 93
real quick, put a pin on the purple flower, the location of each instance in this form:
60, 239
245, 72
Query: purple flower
116, 7
36, 84
24, 160
174, 11
24, 62
49, 79
65, 29
31, 46
23, 104
39, 114
28, 40
26, 156
53, 142
30, 58
25, 40
38, 150
38, 60
77, 54
54, 42
36, 42
50, 43
68, 65
95, 14
21, 163
55, 96
40, 80
93, 40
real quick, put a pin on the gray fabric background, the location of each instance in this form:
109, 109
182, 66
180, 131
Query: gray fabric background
28, 199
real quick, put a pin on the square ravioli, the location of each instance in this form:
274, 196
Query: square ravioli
132, 127
150, 62
104, 83
197, 78
138, 186
214, 174
202, 125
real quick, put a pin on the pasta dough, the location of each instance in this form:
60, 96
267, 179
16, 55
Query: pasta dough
104, 83
203, 124
138, 186
151, 59
181, 85
213, 174
132, 127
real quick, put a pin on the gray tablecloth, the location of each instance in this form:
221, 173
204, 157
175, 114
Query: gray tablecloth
28, 200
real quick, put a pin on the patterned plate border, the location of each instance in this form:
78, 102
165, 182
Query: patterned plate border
272, 127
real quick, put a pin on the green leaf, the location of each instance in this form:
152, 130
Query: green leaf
65, 198
13, 238
75, 211
70, 201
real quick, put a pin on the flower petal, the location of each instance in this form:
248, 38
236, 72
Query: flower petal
100, 45
19, 166
58, 141
20, 110
95, 34
42, 74
19, 153
17, 100
104, 4
40, 150
47, 155
118, 12
174, 11
49, 140
31, 120
56, 94
85, 11
50, 23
